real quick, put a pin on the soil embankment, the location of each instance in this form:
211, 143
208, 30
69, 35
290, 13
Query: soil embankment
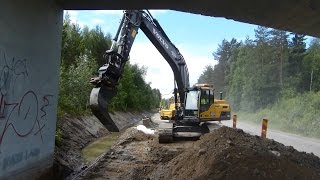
225, 153
77, 133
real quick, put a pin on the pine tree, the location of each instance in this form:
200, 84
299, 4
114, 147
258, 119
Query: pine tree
297, 51
280, 45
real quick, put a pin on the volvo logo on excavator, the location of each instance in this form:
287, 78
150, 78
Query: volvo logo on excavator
155, 32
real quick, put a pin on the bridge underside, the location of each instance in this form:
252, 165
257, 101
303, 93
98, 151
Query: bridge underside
302, 16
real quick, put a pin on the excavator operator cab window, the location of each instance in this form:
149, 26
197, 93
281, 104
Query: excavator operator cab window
206, 99
191, 108
205, 94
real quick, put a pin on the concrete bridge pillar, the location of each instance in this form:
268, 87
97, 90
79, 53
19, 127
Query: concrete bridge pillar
30, 45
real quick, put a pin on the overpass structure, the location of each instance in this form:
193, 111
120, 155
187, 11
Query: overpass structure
301, 16
30, 47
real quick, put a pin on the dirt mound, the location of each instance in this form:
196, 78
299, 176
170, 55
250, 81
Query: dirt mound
227, 153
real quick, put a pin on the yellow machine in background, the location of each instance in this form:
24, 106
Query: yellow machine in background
168, 113
168, 109
201, 103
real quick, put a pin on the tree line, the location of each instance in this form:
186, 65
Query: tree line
81, 56
257, 72
273, 72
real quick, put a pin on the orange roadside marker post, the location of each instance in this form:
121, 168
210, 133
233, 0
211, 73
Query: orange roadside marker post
234, 121
264, 128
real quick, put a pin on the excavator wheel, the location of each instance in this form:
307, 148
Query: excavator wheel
165, 133
100, 97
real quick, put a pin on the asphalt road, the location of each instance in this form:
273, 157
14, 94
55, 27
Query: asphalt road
309, 145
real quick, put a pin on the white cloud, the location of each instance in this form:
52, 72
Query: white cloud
73, 13
158, 11
74, 18
159, 72
196, 64
97, 21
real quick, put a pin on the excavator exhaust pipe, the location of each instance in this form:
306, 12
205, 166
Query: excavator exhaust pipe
100, 98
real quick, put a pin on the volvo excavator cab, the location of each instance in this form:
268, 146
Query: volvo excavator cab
202, 105
198, 100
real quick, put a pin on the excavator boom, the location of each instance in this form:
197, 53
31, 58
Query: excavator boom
189, 112
116, 58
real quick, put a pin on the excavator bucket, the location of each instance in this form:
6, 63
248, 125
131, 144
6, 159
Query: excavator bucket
100, 98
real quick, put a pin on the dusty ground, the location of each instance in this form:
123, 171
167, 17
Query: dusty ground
223, 154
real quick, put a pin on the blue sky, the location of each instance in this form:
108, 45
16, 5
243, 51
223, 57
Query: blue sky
200, 33
195, 36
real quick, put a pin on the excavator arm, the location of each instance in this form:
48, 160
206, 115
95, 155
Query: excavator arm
116, 58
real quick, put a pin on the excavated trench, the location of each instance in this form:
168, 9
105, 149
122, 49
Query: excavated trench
84, 140
224, 153
98, 147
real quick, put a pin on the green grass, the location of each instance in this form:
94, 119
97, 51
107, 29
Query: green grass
299, 115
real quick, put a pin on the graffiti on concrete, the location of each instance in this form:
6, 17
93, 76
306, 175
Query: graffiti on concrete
23, 111
16, 158
46, 101
13, 73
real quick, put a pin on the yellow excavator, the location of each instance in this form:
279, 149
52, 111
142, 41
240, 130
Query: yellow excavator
168, 109
208, 107
193, 105
168, 112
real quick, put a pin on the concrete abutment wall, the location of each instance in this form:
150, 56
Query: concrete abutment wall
30, 45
